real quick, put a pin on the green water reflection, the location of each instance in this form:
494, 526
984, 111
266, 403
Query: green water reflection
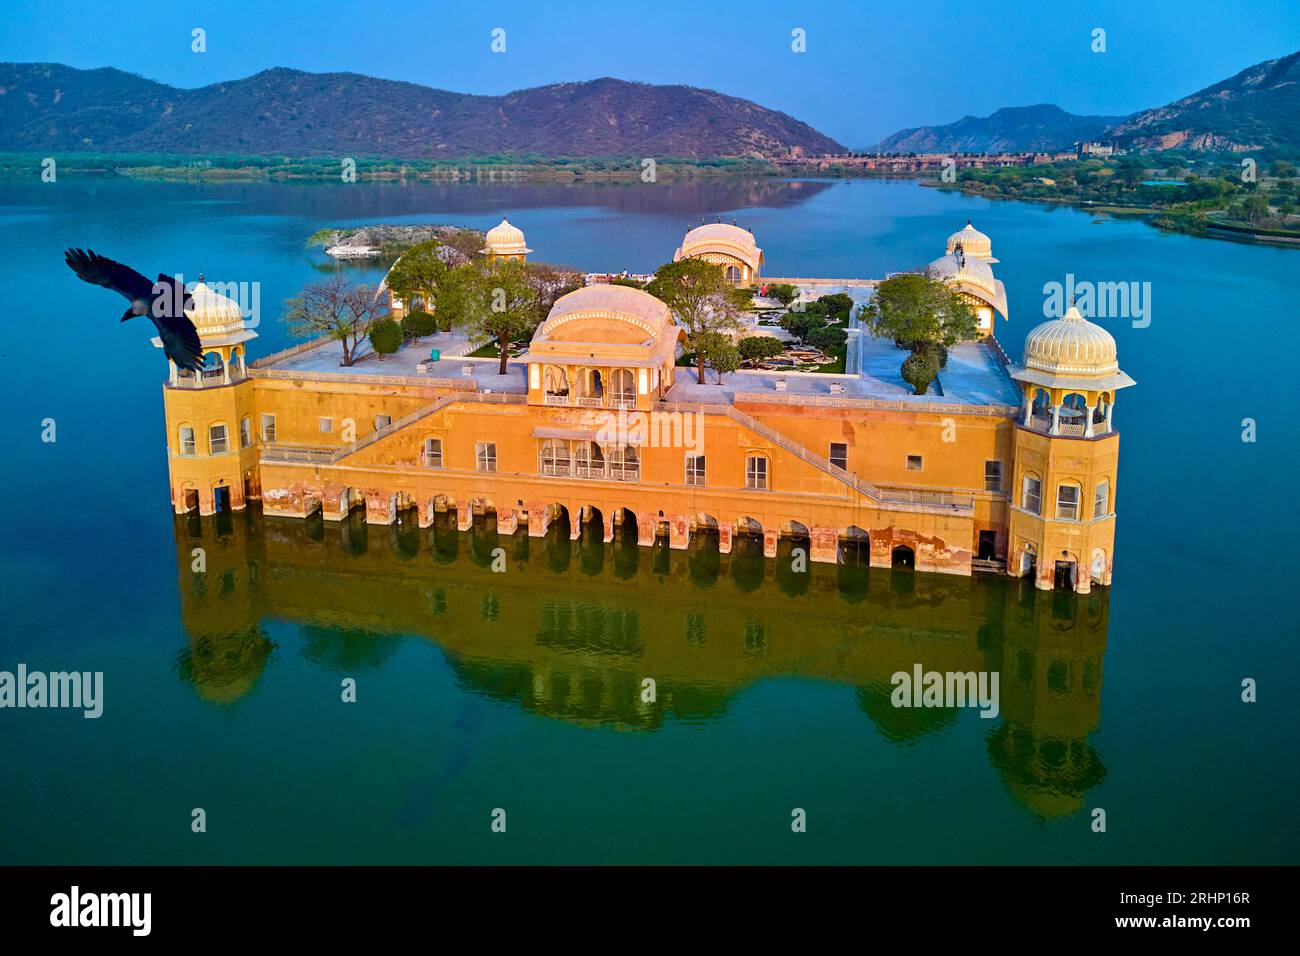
571, 628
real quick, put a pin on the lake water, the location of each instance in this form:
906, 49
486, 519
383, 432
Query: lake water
521, 690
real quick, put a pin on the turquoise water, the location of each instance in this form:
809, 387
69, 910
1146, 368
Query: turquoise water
520, 691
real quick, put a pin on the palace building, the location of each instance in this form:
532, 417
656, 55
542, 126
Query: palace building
1000, 467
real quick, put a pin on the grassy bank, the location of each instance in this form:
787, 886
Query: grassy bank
504, 168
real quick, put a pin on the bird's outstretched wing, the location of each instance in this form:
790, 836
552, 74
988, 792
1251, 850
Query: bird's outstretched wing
98, 270
180, 341
178, 294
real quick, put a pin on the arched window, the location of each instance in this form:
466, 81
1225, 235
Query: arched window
556, 380
1067, 502
733, 274
218, 440
187, 443
623, 385
1101, 500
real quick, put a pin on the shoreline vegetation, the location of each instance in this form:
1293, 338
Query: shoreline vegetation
1215, 196
1221, 196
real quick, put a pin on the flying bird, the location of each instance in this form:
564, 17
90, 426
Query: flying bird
164, 301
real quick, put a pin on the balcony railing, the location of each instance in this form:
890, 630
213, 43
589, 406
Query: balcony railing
599, 471
1067, 427
614, 400
208, 377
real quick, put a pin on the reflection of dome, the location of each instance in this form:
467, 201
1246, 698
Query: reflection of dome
504, 239
1071, 346
212, 313
973, 243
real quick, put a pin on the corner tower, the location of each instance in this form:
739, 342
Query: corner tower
505, 243
211, 454
1066, 456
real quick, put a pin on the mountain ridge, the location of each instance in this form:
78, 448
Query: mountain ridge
282, 111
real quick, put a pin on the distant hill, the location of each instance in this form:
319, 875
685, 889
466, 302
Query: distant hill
1259, 108
46, 106
1012, 129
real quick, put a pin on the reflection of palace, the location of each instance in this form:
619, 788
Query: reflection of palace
575, 625
998, 467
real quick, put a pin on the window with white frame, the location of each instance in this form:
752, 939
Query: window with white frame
840, 455
1101, 500
1067, 502
245, 432
992, 476
268, 428
188, 445
695, 469
756, 472
1032, 496
431, 453
218, 441
485, 455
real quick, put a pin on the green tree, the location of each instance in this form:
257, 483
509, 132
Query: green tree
783, 292
1254, 208
500, 303
914, 310
699, 295
828, 338
920, 369
755, 348
336, 307
385, 337
416, 325
719, 351
1283, 169
838, 306
418, 273
803, 323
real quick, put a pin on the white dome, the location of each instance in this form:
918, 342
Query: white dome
504, 239
1071, 345
974, 244
212, 313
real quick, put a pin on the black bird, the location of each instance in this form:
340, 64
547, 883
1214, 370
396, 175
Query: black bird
164, 302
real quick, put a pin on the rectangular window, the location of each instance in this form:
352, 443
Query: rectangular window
268, 428
1033, 496
218, 444
1067, 502
840, 455
432, 456
188, 447
383, 421
913, 462
1101, 500
756, 473
695, 469
485, 455
245, 432
992, 476
326, 425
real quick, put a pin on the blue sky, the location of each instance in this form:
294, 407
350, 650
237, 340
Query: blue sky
869, 68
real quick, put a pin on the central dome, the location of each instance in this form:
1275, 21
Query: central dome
1071, 345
